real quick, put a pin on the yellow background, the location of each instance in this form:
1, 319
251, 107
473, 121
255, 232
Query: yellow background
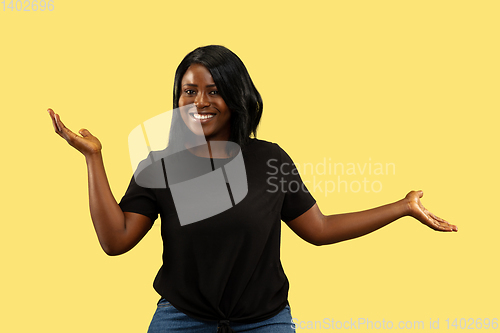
410, 83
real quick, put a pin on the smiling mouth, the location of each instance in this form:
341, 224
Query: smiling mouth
202, 116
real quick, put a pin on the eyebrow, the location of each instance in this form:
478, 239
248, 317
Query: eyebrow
195, 85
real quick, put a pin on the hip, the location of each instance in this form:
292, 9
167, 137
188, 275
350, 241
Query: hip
169, 319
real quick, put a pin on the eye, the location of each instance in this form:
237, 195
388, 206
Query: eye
189, 92
214, 92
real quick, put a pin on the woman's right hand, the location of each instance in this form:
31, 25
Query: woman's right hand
87, 144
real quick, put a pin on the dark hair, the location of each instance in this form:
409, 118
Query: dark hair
234, 85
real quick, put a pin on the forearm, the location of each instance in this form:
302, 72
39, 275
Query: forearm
340, 227
107, 216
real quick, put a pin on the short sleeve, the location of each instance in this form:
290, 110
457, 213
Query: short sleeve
140, 200
297, 199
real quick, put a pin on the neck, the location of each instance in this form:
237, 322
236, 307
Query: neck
211, 149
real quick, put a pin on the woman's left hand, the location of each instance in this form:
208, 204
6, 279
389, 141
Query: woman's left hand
418, 211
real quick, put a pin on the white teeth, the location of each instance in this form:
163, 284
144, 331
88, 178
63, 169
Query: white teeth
202, 116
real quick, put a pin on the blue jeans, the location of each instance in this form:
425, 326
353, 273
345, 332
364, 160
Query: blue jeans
169, 319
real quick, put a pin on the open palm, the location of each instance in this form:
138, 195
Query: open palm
86, 143
418, 211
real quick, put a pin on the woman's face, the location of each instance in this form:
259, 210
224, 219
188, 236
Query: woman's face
198, 88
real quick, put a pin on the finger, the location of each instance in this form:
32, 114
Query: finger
59, 123
432, 223
52, 117
66, 133
84, 132
64, 129
437, 218
452, 227
445, 226
436, 225
449, 227
54, 121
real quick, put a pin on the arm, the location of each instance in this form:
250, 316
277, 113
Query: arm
318, 229
118, 232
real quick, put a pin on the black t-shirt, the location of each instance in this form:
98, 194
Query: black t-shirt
228, 266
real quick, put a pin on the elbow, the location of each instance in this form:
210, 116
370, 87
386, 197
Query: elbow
113, 246
315, 240
318, 243
111, 251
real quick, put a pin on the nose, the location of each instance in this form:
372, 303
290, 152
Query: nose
201, 101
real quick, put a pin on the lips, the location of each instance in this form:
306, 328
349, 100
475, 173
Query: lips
202, 117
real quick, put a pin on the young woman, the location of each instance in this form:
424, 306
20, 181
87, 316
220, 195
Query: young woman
223, 273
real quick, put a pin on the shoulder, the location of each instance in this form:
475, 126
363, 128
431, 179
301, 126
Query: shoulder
265, 149
257, 145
